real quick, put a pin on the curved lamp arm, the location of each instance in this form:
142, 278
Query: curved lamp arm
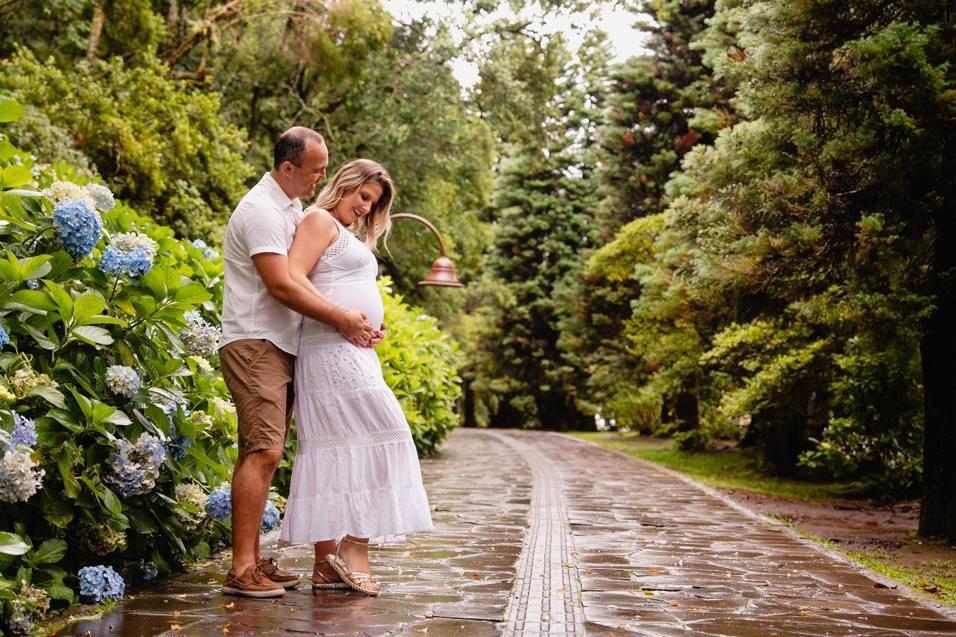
443, 270
431, 226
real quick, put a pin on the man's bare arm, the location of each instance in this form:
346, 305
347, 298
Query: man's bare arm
274, 270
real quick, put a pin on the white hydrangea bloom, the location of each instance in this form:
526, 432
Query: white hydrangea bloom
222, 406
129, 241
101, 195
19, 477
203, 364
194, 495
122, 380
64, 190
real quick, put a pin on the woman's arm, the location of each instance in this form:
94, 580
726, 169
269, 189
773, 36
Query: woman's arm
313, 236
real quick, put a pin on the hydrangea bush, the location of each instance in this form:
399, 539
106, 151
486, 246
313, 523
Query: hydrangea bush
103, 318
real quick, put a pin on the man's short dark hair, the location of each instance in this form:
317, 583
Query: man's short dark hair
291, 145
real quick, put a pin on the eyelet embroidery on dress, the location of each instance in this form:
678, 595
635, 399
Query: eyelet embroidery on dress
337, 248
372, 439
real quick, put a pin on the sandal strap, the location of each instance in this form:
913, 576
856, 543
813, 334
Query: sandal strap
327, 580
346, 539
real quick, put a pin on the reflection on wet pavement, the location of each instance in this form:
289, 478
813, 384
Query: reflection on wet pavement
647, 553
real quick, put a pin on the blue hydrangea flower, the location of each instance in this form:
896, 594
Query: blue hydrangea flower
102, 195
33, 284
19, 476
78, 226
176, 445
270, 517
199, 337
4, 338
219, 504
133, 263
122, 380
136, 467
207, 252
146, 571
100, 583
24, 432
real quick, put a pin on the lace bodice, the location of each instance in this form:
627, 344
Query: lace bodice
345, 274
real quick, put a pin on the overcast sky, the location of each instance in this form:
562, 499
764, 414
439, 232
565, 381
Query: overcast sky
617, 23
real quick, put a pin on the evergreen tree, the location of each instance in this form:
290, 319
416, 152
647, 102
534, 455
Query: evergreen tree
659, 106
543, 211
651, 119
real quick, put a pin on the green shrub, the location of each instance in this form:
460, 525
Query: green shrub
420, 365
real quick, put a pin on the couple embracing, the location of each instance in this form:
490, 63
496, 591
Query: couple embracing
301, 317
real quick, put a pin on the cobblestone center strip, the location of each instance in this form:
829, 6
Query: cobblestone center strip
547, 592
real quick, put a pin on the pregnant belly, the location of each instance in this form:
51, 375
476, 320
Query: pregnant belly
364, 297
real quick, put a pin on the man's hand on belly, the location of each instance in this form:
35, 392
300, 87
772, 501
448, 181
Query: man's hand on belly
356, 328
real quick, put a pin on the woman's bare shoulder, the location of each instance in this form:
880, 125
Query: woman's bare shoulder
318, 221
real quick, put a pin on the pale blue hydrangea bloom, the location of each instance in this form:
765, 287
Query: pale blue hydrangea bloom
199, 337
100, 583
116, 262
207, 252
4, 338
122, 380
19, 476
136, 467
102, 195
270, 517
219, 504
78, 226
24, 432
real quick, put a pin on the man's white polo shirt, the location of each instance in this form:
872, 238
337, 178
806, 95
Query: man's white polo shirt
264, 221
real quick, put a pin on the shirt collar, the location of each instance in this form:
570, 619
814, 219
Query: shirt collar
278, 195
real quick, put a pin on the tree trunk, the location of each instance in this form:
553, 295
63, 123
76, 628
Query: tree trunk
96, 29
783, 435
469, 419
172, 23
687, 410
938, 348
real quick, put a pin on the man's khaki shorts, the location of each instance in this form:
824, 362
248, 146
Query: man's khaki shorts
259, 377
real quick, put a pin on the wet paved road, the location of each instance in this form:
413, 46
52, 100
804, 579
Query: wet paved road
541, 534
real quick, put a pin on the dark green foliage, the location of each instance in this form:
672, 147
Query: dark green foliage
658, 107
160, 145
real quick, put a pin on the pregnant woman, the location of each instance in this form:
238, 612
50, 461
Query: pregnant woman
356, 474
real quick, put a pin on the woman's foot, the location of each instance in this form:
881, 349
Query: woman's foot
350, 563
324, 577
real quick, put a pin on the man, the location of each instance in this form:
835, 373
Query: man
262, 312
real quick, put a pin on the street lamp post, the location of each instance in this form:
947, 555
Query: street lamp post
443, 270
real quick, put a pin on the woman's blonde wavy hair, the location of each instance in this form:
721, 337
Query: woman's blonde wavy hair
377, 223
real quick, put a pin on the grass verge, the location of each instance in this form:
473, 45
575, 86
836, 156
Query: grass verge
732, 469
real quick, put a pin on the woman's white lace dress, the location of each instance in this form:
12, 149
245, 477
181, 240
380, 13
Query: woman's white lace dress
356, 470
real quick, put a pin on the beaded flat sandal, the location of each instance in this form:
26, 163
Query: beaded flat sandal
324, 583
361, 582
